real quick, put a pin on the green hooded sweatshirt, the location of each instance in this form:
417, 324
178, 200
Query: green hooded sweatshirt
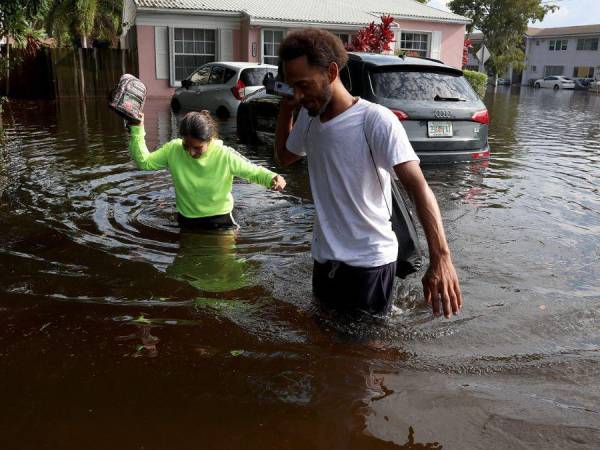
202, 185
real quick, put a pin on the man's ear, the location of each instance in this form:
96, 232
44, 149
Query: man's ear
333, 71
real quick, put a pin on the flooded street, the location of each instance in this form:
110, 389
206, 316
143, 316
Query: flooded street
118, 332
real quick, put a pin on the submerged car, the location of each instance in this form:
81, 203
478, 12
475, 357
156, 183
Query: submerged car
555, 82
444, 118
219, 87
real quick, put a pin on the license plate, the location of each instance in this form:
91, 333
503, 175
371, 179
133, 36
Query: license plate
439, 129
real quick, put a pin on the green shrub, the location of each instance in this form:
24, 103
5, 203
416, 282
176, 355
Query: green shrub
478, 81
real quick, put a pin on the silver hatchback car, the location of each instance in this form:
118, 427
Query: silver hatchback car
219, 87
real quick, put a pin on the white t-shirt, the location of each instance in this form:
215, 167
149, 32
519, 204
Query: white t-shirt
352, 224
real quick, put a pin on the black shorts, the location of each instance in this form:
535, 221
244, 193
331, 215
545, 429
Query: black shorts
350, 288
220, 222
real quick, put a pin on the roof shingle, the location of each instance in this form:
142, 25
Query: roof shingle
358, 12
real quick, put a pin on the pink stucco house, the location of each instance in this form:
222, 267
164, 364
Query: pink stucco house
173, 37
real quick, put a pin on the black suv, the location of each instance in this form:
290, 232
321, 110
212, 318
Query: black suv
444, 118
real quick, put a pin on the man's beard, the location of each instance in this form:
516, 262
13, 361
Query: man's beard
324, 98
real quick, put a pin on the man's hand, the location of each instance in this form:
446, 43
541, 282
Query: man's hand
440, 285
278, 183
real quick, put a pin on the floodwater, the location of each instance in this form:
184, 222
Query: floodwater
117, 332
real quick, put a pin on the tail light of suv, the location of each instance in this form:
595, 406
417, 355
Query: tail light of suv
482, 117
401, 115
238, 90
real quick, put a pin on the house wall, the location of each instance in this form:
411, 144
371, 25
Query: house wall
154, 42
237, 38
254, 38
452, 38
540, 56
147, 63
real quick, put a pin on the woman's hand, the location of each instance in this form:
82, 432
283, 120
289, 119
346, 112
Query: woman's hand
278, 183
136, 124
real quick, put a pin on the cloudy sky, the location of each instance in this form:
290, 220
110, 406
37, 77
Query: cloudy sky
571, 13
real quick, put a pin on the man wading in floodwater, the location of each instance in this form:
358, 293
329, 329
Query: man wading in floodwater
354, 247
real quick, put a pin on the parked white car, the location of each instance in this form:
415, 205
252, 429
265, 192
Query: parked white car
555, 82
219, 87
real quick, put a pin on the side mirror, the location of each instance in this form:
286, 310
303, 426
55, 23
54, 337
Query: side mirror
186, 83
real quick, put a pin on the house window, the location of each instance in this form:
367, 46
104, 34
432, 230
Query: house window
558, 45
344, 37
271, 41
583, 72
534, 69
414, 44
587, 44
537, 43
192, 48
553, 70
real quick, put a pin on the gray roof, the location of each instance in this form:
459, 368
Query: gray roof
565, 31
357, 12
478, 35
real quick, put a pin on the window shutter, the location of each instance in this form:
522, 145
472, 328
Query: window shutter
161, 48
397, 38
436, 45
225, 45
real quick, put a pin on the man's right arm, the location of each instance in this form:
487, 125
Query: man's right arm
285, 122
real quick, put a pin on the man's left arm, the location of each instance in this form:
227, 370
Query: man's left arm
440, 282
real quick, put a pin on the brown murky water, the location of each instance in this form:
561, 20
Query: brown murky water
116, 332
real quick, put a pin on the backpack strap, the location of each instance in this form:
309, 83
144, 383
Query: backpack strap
367, 116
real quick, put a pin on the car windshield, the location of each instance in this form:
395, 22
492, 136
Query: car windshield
422, 85
255, 75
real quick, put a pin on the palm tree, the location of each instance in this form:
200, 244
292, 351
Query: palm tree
84, 19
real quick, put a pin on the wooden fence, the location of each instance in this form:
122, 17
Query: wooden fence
67, 72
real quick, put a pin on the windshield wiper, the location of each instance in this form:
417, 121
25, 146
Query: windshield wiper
437, 98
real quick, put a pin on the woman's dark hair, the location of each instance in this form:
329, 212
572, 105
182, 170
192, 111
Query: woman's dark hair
320, 47
198, 125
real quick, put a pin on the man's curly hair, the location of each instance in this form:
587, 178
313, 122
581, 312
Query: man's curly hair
320, 47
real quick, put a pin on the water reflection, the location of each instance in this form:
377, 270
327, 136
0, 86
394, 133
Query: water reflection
209, 262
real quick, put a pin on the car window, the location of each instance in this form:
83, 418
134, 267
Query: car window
201, 75
254, 76
229, 74
217, 75
420, 85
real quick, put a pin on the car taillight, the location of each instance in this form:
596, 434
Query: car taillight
238, 90
482, 117
401, 115
478, 155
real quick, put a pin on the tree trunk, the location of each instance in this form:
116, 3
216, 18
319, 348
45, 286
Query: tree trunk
84, 41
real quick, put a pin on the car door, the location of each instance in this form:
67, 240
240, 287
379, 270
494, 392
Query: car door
190, 98
549, 82
217, 90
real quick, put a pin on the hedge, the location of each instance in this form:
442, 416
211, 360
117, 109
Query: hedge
478, 81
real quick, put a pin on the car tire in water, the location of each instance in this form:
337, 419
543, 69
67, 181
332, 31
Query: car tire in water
536, 85
175, 105
222, 113
245, 127
556, 87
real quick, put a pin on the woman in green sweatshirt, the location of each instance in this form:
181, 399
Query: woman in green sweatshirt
202, 169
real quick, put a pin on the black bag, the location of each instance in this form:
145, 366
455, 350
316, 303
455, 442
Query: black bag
410, 256
128, 97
